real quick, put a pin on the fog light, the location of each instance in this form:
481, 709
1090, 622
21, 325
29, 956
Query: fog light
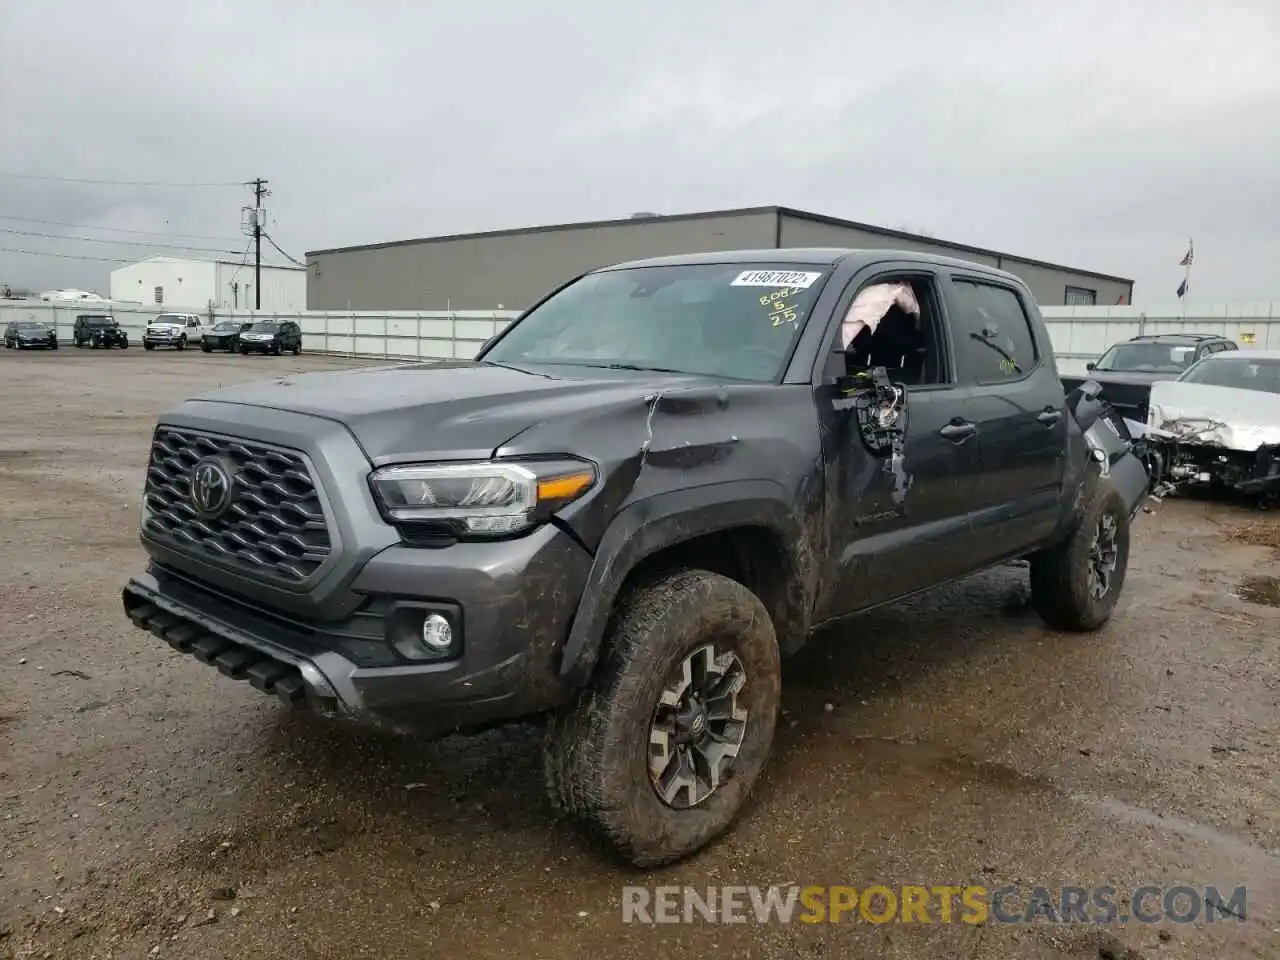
437, 634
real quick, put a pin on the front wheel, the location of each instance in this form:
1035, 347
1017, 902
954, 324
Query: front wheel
182, 343
1076, 584
658, 755
124, 345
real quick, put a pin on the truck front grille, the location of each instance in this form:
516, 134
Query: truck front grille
272, 522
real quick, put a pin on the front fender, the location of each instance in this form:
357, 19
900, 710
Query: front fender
655, 523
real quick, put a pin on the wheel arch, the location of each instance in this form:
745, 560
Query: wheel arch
744, 530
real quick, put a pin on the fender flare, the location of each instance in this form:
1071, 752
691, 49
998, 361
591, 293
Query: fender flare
643, 528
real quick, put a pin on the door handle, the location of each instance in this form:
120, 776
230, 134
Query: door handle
958, 431
1049, 416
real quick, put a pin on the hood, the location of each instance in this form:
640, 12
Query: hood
1219, 416
452, 410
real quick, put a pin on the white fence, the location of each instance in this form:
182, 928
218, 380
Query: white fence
1079, 334
428, 334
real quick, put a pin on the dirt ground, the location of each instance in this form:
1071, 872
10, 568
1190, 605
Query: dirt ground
150, 807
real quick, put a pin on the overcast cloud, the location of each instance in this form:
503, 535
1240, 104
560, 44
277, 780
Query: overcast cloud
1098, 133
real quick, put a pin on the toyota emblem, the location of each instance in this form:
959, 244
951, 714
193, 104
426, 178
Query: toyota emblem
210, 487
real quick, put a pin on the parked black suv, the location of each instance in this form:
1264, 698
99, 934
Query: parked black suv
27, 335
644, 492
225, 335
98, 330
1127, 370
271, 336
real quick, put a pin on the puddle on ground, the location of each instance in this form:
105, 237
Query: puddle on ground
1264, 590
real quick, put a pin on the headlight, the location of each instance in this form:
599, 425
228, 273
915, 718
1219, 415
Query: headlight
491, 499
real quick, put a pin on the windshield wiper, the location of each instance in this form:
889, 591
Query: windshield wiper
633, 366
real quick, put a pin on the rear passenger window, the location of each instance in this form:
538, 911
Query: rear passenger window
993, 339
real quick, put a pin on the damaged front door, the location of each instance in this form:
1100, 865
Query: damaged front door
903, 465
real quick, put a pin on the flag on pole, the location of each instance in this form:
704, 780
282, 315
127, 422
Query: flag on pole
1185, 263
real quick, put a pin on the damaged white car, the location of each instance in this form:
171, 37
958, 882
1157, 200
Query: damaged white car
1218, 424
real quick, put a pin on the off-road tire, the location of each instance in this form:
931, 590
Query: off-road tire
596, 751
297, 349
1060, 584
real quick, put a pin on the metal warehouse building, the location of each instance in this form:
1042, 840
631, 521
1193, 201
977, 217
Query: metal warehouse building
511, 269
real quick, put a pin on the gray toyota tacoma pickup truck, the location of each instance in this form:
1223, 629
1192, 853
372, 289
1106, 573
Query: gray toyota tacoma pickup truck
657, 482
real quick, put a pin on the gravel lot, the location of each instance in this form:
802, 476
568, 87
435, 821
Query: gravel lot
151, 808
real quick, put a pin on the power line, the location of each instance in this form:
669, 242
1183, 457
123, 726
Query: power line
114, 243
118, 183
62, 256
74, 256
90, 226
271, 241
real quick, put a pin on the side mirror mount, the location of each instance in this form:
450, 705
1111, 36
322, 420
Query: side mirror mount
880, 409
1090, 366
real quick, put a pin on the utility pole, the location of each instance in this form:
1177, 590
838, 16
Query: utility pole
259, 191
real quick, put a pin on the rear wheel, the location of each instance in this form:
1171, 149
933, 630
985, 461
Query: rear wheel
297, 348
658, 755
1076, 584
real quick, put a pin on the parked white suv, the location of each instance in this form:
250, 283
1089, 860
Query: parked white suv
173, 330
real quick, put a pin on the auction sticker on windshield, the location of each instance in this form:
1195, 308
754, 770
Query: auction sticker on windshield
802, 279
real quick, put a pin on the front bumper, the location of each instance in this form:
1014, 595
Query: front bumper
162, 339
512, 603
266, 346
1247, 472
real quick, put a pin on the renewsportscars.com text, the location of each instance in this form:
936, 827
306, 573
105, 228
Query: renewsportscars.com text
974, 905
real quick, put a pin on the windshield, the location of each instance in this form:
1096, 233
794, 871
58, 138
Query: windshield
171, 318
225, 327
32, 328
1253, 374
722, 320
1150, 357
99, 321
265, 327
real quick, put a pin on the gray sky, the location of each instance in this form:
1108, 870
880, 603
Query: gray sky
1097, 133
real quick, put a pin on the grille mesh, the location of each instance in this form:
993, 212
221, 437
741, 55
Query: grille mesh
275, 525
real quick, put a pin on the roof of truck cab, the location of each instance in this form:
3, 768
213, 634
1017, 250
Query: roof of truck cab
813, 256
